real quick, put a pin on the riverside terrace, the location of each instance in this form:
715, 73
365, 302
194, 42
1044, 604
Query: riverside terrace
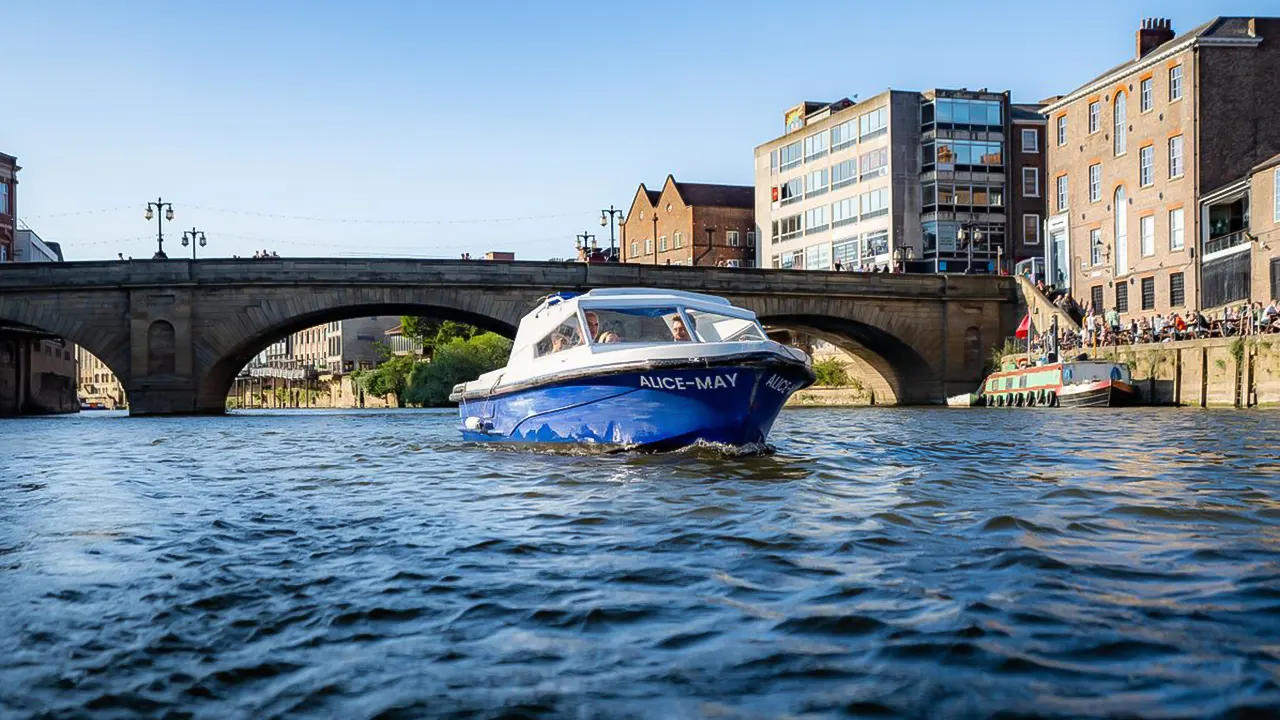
176, 332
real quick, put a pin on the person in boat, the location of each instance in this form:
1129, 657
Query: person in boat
679, 332
593, 327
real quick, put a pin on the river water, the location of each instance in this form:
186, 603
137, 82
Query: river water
926, 562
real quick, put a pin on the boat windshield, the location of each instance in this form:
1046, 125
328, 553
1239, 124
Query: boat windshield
714, 327
567, 334
636, 325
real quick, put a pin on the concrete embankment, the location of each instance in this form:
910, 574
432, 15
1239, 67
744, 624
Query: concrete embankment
1219, 372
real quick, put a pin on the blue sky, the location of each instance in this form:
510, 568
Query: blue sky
422, 128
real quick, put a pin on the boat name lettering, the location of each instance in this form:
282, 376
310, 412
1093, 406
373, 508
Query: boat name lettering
713, 382
777, 382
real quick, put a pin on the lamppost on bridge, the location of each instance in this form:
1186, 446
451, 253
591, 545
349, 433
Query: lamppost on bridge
586, 244
159, 205
903, 254
969, 234
193, 237
607, 218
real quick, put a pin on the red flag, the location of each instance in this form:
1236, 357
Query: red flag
1024, 327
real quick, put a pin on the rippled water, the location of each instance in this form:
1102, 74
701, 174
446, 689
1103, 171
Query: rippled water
921, 562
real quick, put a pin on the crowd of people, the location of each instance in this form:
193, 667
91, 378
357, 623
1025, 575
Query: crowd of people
265, 255
1103, 326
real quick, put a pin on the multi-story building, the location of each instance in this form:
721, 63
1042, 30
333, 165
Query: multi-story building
1242, 239
1029, 139
96, 384
1140, 156
37, 370
352, 345
690, 224
8, 205
887, 182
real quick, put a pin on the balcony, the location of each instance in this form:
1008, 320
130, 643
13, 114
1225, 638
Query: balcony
1226, 220
1225, 242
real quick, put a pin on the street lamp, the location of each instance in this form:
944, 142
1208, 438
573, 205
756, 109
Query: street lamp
192, 238
607, 217
969, 234
903, 254
159, 205
586, 244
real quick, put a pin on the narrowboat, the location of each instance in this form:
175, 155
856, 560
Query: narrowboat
1074, 383
635, 368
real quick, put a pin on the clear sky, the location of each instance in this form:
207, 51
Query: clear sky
431, 129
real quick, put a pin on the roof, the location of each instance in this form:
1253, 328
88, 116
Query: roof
653, 195
1026, 112
707, 195
1219, 28
1270, 162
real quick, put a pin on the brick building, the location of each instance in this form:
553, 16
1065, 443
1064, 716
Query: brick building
1137, 150
1243, 224
1029, 138
690, 224
8, 205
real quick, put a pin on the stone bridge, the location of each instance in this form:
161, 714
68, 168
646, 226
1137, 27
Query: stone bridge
176, 332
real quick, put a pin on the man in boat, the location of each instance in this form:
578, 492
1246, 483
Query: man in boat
679, 332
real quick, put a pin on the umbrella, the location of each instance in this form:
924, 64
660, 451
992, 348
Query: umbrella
1024, 327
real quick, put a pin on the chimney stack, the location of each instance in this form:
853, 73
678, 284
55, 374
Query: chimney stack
1154, 33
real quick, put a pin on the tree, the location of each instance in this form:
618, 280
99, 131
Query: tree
391, 376
457, 361
436, 333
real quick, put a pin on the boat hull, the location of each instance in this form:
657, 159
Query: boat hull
650, 408
1104, 393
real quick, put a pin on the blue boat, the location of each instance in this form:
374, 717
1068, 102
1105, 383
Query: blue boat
635, 368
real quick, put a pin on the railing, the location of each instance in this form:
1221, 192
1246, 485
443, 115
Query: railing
1223, 242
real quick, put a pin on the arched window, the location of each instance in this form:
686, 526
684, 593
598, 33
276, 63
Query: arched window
1120, 103
160, 349
1122, 231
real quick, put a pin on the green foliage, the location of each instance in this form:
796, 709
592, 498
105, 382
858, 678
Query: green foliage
831, 372
1011, 346
391, 376
436, 333
1237, 349
459, 360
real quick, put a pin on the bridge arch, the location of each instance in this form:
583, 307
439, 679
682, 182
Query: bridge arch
97, 336
894, 371
342, 304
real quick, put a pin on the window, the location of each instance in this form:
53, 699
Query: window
1147, 232
634, 325
1147, 165
1030, 182
714, 327
949, 154
789, 156
1148, 293
1095, 297
1121, 214
4, 198
679, 239
1122, 296
844, 173
1175, 156
815, 146
844, 212
788, 227
732, 238
873, 123
1144, 96
1175, 82
1031, 229
874, 163
1095, 247
635, 248
791, 191
1119, 108
815, 220
1175, 229
845, 252
1177, 291
648, 246
844, 135
955, 111
567, 335
1062, 130
817, 257
1095, 116
662, 244
815, 183
875, 203
1030, 140
773, 163
1062, 193
1276, 196
876, 243
1095, 183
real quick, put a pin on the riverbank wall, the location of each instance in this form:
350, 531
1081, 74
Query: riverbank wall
1218, 372
831, 397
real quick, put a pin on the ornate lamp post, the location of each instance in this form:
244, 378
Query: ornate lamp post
903, 254
607, 217
159, 205
969, 234
193, 237
586, 244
